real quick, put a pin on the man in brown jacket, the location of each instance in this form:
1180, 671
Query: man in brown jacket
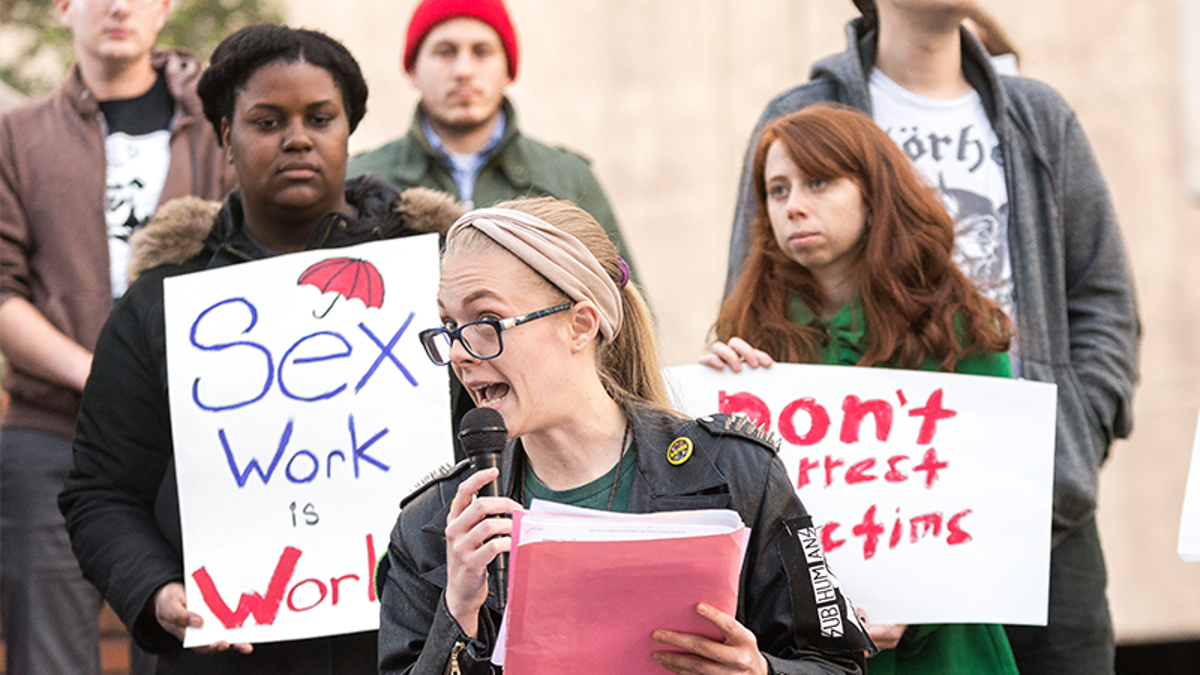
79, 171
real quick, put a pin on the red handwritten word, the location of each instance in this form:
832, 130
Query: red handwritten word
265, 608
932, 412
854, 411
862, 471
924, 526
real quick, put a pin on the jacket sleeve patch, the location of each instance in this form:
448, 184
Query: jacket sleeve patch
823, 618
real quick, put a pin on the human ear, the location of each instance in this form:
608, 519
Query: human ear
226, 140
164, 9
585, 324
63, 9
162, 17
411, 74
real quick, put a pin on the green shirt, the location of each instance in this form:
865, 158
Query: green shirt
616, 484
927, 649
846, 343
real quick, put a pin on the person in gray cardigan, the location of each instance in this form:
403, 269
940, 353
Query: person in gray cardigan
1074, 305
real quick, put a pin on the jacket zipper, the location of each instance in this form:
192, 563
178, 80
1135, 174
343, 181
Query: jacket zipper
452, 666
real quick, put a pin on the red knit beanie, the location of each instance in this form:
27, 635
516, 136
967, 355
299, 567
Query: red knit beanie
432, 12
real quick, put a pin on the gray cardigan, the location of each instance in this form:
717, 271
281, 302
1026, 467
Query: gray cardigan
1077, 315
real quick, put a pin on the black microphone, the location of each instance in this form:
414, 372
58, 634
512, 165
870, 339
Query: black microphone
483, 437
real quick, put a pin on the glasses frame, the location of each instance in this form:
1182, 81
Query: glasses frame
499, 325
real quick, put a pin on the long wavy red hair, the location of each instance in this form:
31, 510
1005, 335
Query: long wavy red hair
917, 304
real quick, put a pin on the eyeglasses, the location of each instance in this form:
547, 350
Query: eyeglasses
480, 338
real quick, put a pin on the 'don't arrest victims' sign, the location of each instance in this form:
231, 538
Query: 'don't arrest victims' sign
303, 409
932, 491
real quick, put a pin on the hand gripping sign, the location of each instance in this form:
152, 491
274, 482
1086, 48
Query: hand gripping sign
932, 491
303, 409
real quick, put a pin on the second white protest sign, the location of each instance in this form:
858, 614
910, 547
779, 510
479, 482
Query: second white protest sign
934, 490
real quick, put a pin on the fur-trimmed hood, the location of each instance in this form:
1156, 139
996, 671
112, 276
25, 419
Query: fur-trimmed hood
184, 228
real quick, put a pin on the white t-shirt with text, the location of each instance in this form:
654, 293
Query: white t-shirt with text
953, 145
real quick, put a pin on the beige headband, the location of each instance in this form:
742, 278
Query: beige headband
554, 254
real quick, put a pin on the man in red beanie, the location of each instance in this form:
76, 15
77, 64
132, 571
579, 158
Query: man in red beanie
461, 55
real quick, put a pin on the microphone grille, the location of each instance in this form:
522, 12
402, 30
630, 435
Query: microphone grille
482, 430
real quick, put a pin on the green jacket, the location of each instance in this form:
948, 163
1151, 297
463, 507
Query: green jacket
927, 649
847, 343
522, 167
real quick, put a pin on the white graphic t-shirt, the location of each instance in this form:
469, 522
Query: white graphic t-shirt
138, 152
952, 143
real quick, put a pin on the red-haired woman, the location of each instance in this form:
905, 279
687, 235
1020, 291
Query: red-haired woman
850, 264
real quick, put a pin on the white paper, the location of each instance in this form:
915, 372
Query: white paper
550, 521
300, 419
964, 543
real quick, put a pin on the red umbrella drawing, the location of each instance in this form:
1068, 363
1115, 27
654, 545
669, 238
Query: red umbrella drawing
347, 278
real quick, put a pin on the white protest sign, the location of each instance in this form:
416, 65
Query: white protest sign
303, 409
1189, 521
933, 490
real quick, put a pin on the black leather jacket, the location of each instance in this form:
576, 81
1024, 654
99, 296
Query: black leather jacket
731, 467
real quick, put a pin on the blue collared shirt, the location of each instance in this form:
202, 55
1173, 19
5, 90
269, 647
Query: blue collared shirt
465, 168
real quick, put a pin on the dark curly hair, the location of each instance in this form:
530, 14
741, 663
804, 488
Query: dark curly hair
242, 54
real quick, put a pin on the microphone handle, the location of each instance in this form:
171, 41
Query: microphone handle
498, 568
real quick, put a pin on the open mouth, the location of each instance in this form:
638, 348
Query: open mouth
490, 395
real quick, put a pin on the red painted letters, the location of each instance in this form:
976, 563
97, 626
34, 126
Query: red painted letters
855, 410
265, 608
743, 402
927, 527
818, 426
932, 412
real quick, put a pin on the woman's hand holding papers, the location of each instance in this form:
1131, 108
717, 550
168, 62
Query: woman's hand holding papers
472, 541
737, 654
735, 354
170, 609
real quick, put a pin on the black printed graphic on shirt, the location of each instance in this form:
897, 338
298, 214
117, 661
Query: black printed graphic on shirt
137, 169
138, 152
980, 244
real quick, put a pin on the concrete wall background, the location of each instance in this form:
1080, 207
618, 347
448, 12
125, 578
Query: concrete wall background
663, 95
